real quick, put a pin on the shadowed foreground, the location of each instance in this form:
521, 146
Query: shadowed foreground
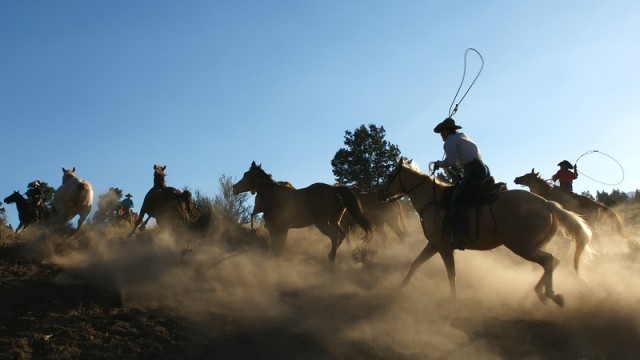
102, 297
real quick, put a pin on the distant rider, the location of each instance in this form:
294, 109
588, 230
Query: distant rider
36, 196
127, 205
565, 176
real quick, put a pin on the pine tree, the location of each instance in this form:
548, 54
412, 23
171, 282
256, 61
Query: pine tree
367, 159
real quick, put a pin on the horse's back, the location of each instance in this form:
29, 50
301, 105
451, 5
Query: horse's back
73, 195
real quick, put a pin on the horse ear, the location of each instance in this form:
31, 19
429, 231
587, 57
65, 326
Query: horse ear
533, 170
164, 167
74, 169
63, 169
401, 160
253, 163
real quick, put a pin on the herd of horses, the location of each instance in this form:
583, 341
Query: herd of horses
523, 221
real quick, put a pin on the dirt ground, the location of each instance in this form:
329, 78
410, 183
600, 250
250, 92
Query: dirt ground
105, 296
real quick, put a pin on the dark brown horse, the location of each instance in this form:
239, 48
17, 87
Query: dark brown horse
168, 205
591, 210
27, 210
285, 208
381, 213
258, 205
519, 220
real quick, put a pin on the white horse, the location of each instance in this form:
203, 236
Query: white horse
73, 197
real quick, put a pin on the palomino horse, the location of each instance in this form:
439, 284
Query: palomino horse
285, 208
27, 211
519, 220
168, 205
73, 197
592, 211
390, 213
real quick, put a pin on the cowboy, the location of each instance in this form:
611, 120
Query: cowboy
34, 193
462, 151
565, 176
127, 203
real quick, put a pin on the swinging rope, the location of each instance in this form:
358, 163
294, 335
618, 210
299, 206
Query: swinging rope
455, 109
610, 157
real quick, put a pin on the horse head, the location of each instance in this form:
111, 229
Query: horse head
159, 176
13, 197
249, 181
68, 174
528, 179
391, 188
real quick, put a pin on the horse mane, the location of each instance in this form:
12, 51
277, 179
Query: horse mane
409, 165
536, 176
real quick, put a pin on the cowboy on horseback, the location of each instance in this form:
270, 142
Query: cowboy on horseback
565, 176
35, 195
126, 205
462, 151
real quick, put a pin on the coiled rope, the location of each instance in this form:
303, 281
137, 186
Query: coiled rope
453, 109
607, 155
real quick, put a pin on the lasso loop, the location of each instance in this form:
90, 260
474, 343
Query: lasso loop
598, 181
453, 109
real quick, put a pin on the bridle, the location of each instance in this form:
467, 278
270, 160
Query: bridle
402, 186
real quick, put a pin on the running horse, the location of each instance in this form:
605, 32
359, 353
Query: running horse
521, 221
27, 211
591, 210
73, 197
381, 213
168, 205
286, 208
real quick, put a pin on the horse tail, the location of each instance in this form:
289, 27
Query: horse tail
191, 214
613, 217
350, 201
576, 226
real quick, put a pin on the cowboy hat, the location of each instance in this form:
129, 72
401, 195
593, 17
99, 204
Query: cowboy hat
566, 163
128, 195
447, 123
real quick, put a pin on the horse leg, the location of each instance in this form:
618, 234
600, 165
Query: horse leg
278, 238
395, 227
84, 213
425, 255
548, 263
450, 265
335, 234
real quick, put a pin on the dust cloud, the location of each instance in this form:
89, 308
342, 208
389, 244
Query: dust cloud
302, 303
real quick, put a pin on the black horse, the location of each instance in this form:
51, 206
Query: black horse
27, 210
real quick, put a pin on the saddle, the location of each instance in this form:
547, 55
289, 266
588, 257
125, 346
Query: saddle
487, 193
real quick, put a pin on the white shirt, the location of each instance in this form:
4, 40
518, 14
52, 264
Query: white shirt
459, 149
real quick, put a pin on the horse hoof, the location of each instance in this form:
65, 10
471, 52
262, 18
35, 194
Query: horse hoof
558, 299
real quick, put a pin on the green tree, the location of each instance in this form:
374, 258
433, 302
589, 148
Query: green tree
47, 193
367, 159
587, 194
615, 198
230, 208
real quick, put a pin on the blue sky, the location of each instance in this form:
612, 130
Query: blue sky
205, 87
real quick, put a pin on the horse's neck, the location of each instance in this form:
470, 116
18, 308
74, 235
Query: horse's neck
540, 187
159, 182
425, 191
